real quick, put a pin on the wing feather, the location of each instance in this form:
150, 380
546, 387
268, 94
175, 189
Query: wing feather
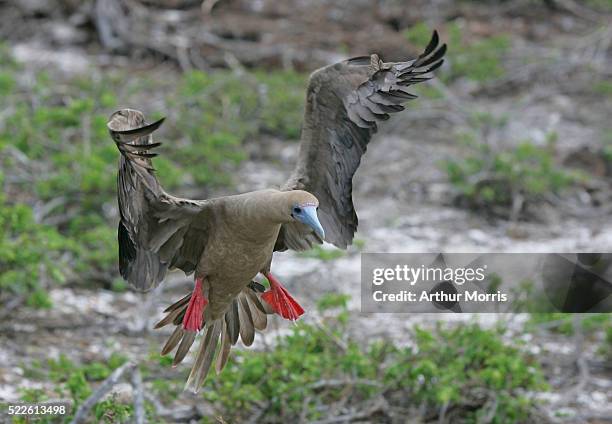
344, 104
156, 231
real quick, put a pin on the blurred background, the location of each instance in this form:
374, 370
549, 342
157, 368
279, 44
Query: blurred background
509, 149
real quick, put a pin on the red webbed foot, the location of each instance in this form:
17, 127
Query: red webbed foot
280, 300
194, 316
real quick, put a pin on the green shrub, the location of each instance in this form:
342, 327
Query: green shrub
315, 367
452, 366
333, 301
527, 169
323, 253
606, 348
282, 102
479, 60
607, 145
494, 175
599, 87
564, 322
110, 411
603, 5
75, 382
30, 254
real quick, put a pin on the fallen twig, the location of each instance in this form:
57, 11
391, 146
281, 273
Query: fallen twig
105, 387
380, 404
139, 413
10, 305
172, 415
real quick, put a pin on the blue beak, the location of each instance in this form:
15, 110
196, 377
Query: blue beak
309, 217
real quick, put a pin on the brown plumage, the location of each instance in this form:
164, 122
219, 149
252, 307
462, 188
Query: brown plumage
344, 103
227, 241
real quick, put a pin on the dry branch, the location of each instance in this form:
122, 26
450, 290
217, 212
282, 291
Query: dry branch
139, 412
105, 387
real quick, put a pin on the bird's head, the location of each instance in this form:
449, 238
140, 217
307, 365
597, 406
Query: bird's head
301, 206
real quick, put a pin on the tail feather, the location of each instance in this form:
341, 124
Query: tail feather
170, 318
224, 352
247, 329
174, 339
260, 319
233, 322
246, 314
179, 304
204, 357
186, 342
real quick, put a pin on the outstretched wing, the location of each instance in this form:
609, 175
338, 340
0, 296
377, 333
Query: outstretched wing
344, 103
156, 231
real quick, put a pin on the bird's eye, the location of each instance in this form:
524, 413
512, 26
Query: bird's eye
297, 210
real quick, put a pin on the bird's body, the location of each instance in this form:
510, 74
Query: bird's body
242, 255
225, 242
240, 245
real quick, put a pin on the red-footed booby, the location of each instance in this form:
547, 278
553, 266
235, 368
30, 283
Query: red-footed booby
225, 242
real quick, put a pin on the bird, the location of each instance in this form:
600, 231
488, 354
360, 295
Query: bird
225, 242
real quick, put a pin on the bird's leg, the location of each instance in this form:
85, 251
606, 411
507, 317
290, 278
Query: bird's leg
192, 321
280, 300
